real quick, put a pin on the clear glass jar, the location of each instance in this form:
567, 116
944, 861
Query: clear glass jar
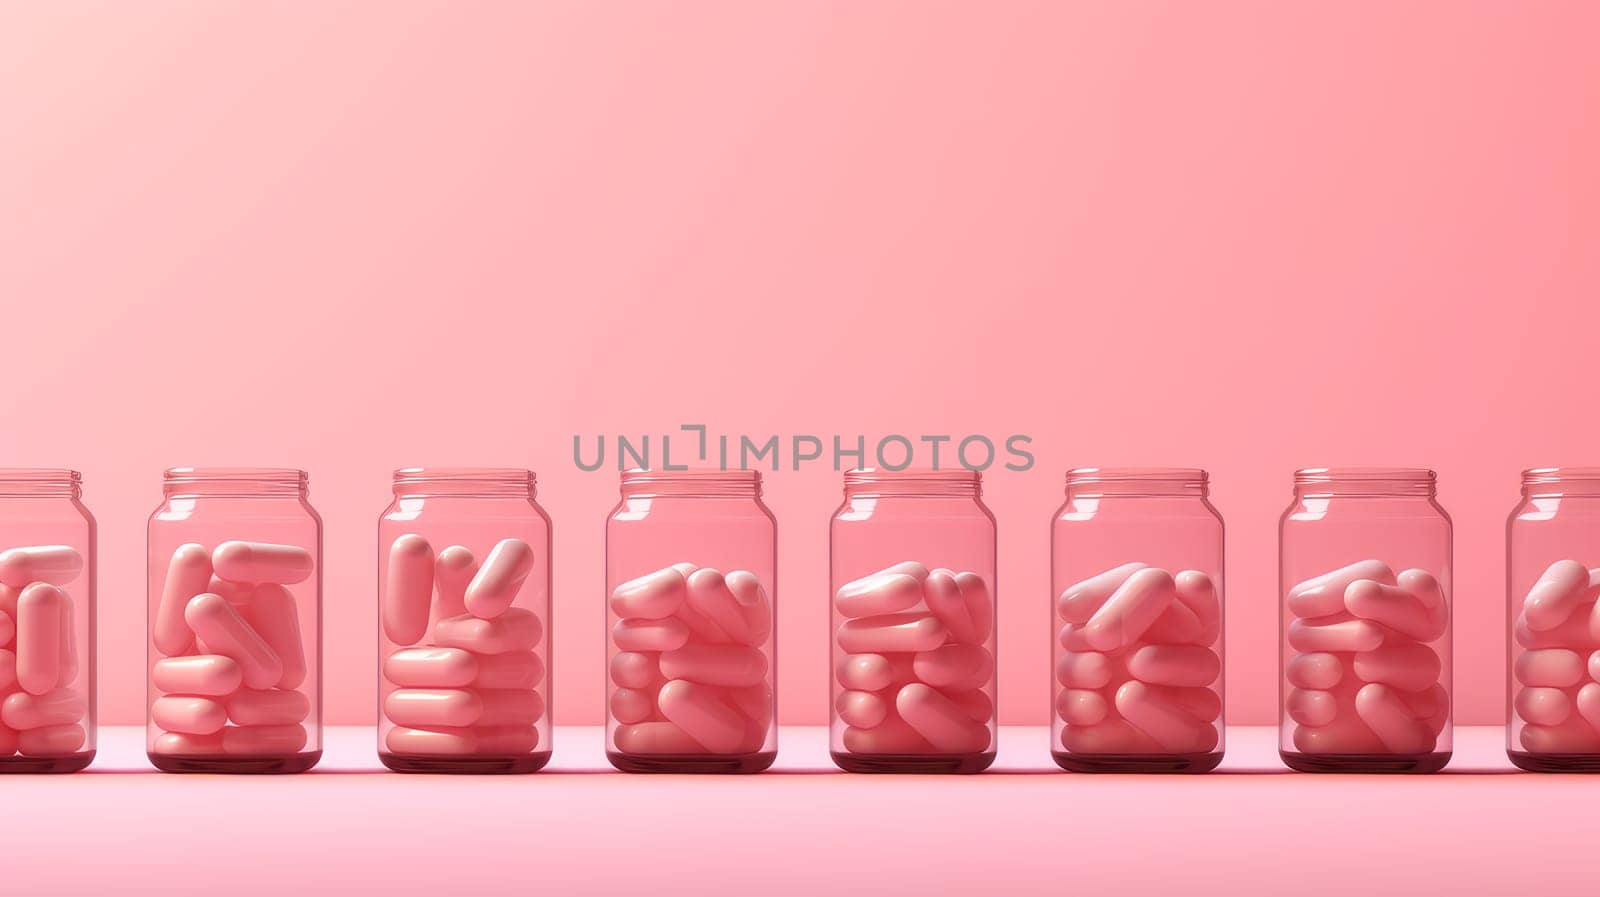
1136, 567
235, 607
1364, 573
1552, 580
47, 622
463, 623
912, 564
691, 646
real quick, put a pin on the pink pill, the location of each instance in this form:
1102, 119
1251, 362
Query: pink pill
956, 666
734, 665
1322, 596
263, 740
1431, 706
1199, 702
53, 564
878, 594
8, 670
1406, 665
1088, 669
1310, 707
1177, 625
1073, 639
517, 629
633, 669
1316, 670
1149, 711
408, 590
436, 743
427, 708
1543, 706
756, 702
1560, 589
1574, 633
893, 736
1198, 593
430, 667
1347, 635
864, 672
219, 625
257, 562
51, 741
754, 604
188, 715
506, 740
41, 630
197, 674
907, 632
940, 720
650, 635
654, 738
1175, 665
1347, 734
8, 628
270, 707
1587, 703
1141, 599
1551, 667
630, 705
862, 709
22, 710
1397, 608
1575, 736
700, 627
1081, 706
499, 579
975, 704
1390, 719
708, 593
513, 707
1079, 601
974, 628
654, 596
513, 669
173, 743
453, 571
272, 613
237, 593
1113, 736
703, 715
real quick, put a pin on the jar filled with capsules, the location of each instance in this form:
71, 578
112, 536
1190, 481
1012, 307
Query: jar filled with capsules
1365, 578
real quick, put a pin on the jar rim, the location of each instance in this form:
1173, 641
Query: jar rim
39, 475
861, 475
1364, 475
1136, 474
458, 474
1535, 476
234, 474
639, 475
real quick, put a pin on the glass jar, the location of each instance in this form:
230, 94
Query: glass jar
47, 622
1364, 572
463, 623
691, 644
235, 606
1552, 580
912, 564
1136, 568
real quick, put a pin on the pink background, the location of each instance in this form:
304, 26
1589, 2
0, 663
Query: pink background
353, 236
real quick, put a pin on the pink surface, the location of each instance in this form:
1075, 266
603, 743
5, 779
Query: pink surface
1244, 236
1251, 827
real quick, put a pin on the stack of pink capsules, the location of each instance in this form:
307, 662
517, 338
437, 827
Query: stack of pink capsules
1558, 670
1137, 670
690, 674
1363, 679
228, 630
916, 671
41, 714
473, 689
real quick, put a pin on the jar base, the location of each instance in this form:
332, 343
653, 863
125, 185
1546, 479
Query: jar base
458, 765
1368, 763
256, 765
63, 763
958, 764
1137, 763
1555, 762
692, 763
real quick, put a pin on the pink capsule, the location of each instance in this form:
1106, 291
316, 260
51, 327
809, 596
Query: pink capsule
8, 628
891, 633
862, 709
273, 615
41, 629
1322, 596
980, 609
517, 629
1406, 665
8, 669
1390, 719
175, 744
453, 571
632, 669
1316, 670
1089, 669
257, 562
864, 672
1574, 632
701, 713
1346, 635
1550, 667
431, 667
263, 740
975, 703
878, 594
654, 738
1398, 608
432, 707
51, 741
753, 604
513, 669
892, 736
1560, 589
1198, 593
1141, 599
1164, 721
940, 720
499, 579
954, 666
22, 710
654, 596
1575, 736
425, 742
1198, 701
506, 740
53, 564
408, 591
1587, 703
1073, 639
219, 625
1431, 706
1177, 625
709, 594
1079, 601
650, 635
1544, 706
270, 707
756, 702
237, 593
1175, 665
700, 627
188, 575
1347, 734
188, 715
629, 705
1081, 706
731, 665
1113, 736
1310, 707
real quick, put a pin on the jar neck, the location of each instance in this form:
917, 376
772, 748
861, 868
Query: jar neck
40, 483
691, 483
913, 483
1137, 482
1561, 482
1365, 482
235, 482
473, 482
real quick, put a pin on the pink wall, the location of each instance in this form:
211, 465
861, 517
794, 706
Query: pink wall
353, 236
